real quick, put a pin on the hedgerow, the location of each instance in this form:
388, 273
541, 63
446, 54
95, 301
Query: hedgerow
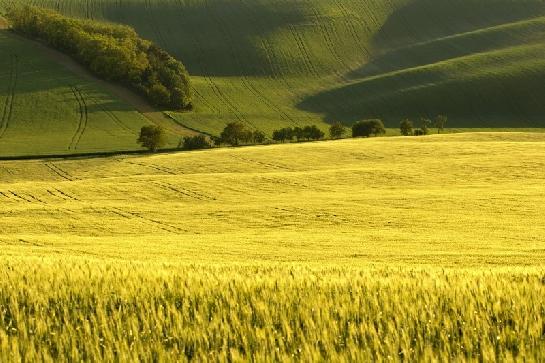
112, 52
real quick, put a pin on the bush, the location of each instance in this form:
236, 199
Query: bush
367, 128
197, 142
152, 137
112, 52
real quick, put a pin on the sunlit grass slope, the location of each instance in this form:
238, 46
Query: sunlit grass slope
426, 248
273, 63
47, 109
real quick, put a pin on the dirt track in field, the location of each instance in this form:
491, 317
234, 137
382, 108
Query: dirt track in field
129, 97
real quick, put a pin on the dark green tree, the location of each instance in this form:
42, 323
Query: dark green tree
337, 130
367, 128
298, 133
152, 137
258, 137
312, 133
283, 135
425, 124
406, 127
234, 133
440, 122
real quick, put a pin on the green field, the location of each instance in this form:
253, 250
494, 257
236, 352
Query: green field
276, 63
421, 248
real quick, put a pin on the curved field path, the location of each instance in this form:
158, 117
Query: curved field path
124, 94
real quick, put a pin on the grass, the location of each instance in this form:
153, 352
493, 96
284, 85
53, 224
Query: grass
274, 63
423, 248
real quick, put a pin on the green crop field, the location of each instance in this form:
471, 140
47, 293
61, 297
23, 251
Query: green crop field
400, 248
276, 63
388, 248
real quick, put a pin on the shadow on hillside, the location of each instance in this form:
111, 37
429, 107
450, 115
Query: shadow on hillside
217, 38
486, 100
414, 36
429, 31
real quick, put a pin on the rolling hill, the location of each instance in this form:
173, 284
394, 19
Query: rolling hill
350, 250
275, 63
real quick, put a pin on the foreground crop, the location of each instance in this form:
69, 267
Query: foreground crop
86, 310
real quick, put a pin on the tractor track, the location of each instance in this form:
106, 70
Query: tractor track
83, 118
155, 223
185, 192
59, 172
244, 79
152, 166
220, 95
9, 103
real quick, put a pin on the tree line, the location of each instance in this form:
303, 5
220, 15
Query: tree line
406, 127
112, 52
237, 133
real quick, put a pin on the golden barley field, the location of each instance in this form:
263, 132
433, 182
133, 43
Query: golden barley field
395, 249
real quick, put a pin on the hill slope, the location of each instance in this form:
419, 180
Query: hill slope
236, 252
273, 63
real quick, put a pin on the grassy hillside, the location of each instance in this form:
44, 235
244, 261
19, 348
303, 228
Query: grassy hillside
272, 63
45, 108
275, 63
358, 249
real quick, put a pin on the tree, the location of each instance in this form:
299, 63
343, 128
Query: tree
367, 128
216, 140
440, 122
152, 137
298, 133
234, 133
337, 130
258, 137
283, 134
313, 133
406, 127
425, 124
195, 143
159, 95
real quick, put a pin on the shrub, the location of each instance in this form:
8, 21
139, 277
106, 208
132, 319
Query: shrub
195, 143
152, 137
367, 128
